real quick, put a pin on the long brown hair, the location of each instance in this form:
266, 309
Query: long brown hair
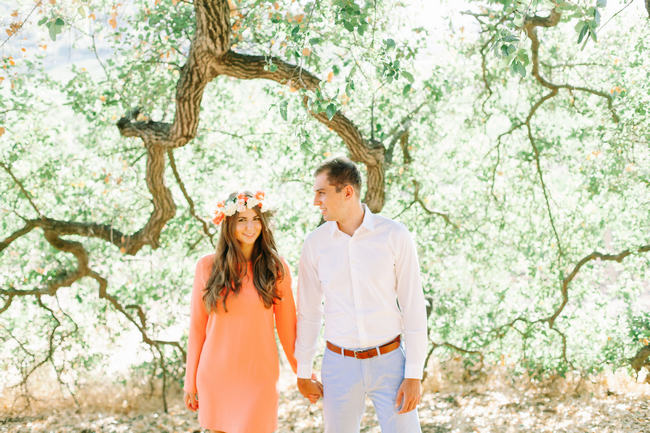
230, 267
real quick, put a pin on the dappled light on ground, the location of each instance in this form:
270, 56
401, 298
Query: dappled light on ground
495, 402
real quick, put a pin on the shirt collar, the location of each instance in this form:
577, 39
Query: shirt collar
368, 222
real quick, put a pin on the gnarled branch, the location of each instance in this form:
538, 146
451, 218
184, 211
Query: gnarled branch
530, 27
593, 256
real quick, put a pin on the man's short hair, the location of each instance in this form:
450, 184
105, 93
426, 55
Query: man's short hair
340, 172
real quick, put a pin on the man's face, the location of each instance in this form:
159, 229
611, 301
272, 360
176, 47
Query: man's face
330, 202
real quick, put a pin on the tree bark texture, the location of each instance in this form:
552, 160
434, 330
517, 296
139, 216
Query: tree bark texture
210, 56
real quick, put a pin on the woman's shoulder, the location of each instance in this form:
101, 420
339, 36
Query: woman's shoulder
285, 277
285, 264
206, 261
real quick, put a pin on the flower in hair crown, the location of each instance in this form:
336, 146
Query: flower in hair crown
239, 203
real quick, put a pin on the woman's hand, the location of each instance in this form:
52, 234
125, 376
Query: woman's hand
191, 401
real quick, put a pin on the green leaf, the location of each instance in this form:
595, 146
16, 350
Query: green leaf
330, 111
273, 67
566, 6
42, 21
601, 3
53, 30
517, 68
406, 90
295, 30
408, 76
283, 110
507, 49
592, 33
596, 17
390, 44
522, 56
583, 32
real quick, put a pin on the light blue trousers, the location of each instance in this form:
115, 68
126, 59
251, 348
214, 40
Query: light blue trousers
347, 381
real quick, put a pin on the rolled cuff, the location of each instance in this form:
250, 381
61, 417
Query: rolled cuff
304, 370
413, 371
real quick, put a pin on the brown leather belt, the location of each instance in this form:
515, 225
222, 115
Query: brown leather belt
366, 353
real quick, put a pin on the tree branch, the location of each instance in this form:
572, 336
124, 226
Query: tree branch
418, 200
638, 361
399, 132
211, 55
29, 226
530, 27
190, 202
541, 177
371, 154
22, 188
22, 23
593, 256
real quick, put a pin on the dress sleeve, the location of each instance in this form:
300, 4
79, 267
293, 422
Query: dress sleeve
285, 317
198, 321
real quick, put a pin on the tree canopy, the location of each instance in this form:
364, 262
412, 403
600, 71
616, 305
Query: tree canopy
511, 137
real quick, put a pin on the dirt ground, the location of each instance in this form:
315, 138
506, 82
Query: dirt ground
490, 403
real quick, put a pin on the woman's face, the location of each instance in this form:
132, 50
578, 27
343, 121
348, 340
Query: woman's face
248, 226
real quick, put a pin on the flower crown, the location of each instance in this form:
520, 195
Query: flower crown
239, 203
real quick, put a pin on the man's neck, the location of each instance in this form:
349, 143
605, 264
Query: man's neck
353, 219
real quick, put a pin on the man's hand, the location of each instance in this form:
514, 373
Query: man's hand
408, 395
191, 402
310, 389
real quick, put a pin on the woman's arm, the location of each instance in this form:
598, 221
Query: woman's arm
198, 321
285, 317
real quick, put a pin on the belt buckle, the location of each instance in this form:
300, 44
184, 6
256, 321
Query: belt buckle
357, 352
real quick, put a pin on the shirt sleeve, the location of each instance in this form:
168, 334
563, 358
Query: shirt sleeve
198, 321
310, 311
412, 304
285, 317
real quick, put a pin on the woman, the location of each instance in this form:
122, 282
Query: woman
232, 359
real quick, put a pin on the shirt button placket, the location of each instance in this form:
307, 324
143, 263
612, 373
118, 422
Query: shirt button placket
355, 279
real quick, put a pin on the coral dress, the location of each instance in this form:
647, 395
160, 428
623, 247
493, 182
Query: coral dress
232, 358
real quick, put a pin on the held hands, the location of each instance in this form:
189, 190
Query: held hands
311, 389
191, 401
408, 395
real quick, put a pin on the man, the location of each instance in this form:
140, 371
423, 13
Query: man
365, 268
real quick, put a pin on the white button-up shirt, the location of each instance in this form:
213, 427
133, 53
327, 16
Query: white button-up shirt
370, 283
